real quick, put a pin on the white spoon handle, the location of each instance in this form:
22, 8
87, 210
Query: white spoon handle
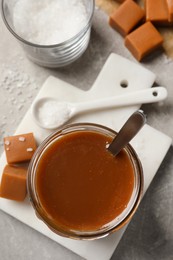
136, 97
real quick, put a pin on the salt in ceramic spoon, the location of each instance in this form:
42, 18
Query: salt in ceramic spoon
50, 113
131, 127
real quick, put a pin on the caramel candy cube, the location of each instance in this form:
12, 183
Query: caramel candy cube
170, 10
143, 40
157, 11
121, 1
19, 148
13, 183
126, 17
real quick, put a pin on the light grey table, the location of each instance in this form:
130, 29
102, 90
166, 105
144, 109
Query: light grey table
150, 234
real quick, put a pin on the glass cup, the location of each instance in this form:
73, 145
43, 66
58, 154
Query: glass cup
114, 224
57, 54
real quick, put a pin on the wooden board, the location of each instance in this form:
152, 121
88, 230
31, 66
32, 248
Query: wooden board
167, 32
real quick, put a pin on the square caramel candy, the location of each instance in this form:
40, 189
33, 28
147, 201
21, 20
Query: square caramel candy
157, 12
143, 40
126, 17
121, 1
170, 10
13, 183
19, 148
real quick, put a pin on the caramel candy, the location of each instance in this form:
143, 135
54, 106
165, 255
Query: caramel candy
19, 148
170, 10
121, 1
157, 11
13, 183
126, 17
143, 40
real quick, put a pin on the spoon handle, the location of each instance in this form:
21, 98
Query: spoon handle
127, 132
136, 97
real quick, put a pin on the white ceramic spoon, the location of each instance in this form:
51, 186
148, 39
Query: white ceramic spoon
50, 113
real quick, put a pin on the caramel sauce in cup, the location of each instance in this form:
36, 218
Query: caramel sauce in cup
78, 188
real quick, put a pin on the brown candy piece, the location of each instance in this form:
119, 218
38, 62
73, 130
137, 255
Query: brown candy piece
170, 10
143, 40
19, 148
126, 17
121, 1
157, 11
13, 183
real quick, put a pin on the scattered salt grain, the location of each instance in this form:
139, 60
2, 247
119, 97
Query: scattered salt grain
19, 85
7, 142
29, 150
22, 139
49, 22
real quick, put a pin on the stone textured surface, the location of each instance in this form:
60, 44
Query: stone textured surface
150, 233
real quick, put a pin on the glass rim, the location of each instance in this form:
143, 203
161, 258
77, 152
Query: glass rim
61, 44
83, 235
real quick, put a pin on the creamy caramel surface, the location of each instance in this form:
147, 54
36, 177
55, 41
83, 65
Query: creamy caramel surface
80, 184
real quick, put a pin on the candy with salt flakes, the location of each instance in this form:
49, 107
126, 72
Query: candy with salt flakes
19, 148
